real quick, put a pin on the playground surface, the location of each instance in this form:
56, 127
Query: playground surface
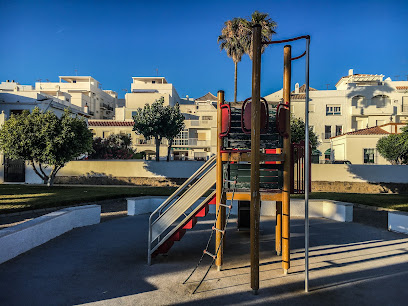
105, 264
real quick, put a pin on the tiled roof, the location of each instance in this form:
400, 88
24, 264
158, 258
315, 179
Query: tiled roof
402, 87
375, 130
207, 97
109, 123
301, 95
298, 96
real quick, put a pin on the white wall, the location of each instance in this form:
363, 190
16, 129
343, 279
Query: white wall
184, 169
360, 173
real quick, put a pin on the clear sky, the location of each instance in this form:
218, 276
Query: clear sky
115, 40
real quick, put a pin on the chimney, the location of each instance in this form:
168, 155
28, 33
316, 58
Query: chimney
296, 88
351, 72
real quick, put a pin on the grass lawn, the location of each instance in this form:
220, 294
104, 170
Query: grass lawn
15, 198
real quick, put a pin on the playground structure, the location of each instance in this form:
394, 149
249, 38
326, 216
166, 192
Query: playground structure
255, 162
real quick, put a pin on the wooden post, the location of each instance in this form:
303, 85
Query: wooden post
255, 156
278, 228
287, 54
219, 196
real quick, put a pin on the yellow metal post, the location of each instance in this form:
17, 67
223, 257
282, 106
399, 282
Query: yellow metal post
287, 54
219, 196
255, 156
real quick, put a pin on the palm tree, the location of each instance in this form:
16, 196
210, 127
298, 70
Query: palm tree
230, 40
267, 24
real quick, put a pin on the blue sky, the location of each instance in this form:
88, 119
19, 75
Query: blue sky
115, 40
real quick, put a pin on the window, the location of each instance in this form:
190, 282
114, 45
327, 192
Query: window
153, 82
134, 114
181, 139
327, 131
339, 130
333, 110
405, 104
369, 156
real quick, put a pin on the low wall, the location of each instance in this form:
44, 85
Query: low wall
118, 171
360, 173
334, 210
325, 177
18, 239
398, 221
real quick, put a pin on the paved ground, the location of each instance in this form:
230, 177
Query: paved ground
105, 264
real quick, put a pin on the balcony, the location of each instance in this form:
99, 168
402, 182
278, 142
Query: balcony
372, 110
199, 123
199, 143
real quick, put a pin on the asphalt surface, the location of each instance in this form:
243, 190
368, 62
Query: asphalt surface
105, 264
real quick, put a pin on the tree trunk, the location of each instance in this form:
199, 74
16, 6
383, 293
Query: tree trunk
52, 176
43, 177
169, 149
235, 81
158, 141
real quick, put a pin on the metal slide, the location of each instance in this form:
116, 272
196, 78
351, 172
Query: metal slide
180, 206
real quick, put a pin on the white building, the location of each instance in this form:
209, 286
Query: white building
85, 92
197, 141
359, 101
359, 147
14, 98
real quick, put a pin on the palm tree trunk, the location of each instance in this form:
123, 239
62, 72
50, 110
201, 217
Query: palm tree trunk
235, 81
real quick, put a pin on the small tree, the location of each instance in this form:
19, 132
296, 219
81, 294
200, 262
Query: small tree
151, 122
297, 130
45, 140
394, 147
174, 127
158, 121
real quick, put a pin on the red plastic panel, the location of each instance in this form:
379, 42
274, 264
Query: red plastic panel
203, 211
246, 116
226, 120
190, 224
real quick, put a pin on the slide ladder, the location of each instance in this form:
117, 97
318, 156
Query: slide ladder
169, 222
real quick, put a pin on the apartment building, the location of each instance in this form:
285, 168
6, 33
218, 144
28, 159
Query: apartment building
196, 142
85, 92
359, 101
14, 98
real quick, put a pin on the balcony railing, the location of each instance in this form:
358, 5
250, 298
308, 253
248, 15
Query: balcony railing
372, 110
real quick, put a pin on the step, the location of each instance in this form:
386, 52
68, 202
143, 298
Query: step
213, 200
203, 211
190, 224
178, 235
164, 248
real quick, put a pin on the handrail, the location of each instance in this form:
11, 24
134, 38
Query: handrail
200, 171
188, 181
175, 202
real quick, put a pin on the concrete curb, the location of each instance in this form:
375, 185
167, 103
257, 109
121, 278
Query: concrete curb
398, 222
18, 239
334, 210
